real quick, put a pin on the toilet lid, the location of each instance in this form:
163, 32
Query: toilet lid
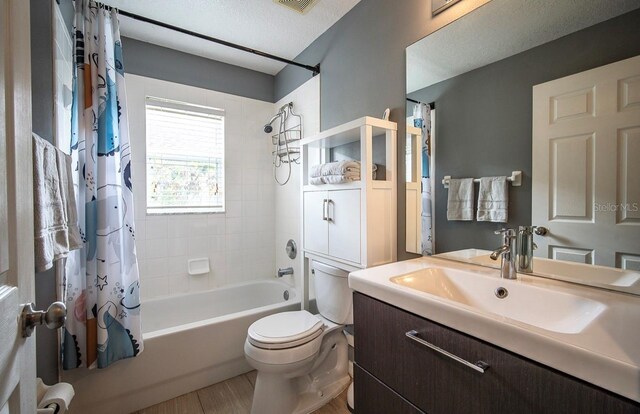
285, 330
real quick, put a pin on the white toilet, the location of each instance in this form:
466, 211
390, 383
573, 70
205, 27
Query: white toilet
301, 358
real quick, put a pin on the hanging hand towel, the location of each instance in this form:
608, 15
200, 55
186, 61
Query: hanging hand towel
493, 199
55, 216
460, 199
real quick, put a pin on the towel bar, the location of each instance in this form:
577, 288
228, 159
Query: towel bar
515, 179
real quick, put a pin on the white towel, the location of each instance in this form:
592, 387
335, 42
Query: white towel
460, 199
337, 168
335, 178
493, 199
55, 215
316, 181
334, 168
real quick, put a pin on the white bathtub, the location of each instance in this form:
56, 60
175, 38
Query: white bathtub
190, 341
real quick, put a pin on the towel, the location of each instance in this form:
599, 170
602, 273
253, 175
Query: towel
335, 178
337, 168
493, 199
460, 199
55, 214
334, 168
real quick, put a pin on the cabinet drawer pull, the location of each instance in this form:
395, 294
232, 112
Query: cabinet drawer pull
479, 366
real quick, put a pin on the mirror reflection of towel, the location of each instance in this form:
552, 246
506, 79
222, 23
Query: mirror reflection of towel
460, 199
493, 199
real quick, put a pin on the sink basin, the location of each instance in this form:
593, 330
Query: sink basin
626, 280
537, 306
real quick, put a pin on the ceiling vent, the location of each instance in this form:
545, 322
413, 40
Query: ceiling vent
301, 6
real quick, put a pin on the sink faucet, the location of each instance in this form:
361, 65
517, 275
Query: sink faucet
526, 246
507, 252
285, 271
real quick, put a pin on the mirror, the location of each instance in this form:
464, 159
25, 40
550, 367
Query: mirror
516, 88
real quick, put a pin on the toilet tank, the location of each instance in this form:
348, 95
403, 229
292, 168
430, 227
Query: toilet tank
333, 296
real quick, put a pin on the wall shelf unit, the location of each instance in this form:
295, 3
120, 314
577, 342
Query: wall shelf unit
352, 225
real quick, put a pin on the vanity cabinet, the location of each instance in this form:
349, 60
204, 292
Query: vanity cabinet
392, 365
332, 223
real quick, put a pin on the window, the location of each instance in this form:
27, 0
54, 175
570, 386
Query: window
185, 157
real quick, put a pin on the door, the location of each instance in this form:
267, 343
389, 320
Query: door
344, 224
17, 355
586, 174
316, 237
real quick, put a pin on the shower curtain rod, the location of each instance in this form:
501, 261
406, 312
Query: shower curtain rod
314, 69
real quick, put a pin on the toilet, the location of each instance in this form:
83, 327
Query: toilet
302, 358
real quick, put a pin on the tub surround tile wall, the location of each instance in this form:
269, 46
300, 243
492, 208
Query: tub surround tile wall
288, 216
240, 242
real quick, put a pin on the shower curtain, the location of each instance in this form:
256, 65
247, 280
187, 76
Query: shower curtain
422, 120
101, 283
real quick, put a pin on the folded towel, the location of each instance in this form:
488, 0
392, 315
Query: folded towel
340, 179
335, 179
336, 168
460, 199
316, 181
493, 199
55, 215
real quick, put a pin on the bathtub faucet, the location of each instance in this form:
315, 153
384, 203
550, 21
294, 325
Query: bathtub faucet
285, 271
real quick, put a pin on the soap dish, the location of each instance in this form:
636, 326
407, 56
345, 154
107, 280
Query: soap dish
198, 266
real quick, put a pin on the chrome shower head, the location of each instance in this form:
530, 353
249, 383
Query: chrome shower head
268, 128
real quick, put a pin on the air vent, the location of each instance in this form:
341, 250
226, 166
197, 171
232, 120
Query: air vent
301, 6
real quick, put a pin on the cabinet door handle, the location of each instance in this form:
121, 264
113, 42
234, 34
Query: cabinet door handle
324, 209
329, 202
479, 366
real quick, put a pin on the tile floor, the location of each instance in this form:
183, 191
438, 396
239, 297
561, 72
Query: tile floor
232, 396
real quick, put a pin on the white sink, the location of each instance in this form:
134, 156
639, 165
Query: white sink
585, 332
562, 312
602, 276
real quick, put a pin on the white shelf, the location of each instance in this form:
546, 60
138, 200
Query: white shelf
351, 225
354, 185
349, 132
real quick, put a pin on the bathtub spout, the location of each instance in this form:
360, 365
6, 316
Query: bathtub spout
285, 271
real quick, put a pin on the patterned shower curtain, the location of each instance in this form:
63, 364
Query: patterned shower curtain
422, 120
101, 285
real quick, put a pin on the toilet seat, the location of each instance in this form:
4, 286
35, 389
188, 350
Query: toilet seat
285, 330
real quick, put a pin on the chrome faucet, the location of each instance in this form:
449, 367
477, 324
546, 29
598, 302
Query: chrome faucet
526, 246
285, 271
507, 252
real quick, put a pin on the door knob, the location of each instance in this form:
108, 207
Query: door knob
52, 318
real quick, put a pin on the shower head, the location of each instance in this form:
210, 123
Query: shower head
268, 128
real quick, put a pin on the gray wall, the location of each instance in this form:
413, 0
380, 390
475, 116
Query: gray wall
362, 59
42, 124
363, 71
159, 62
484, 118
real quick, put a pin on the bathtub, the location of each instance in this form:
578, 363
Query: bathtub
190, 341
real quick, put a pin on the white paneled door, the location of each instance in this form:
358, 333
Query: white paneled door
17, 354
586, 165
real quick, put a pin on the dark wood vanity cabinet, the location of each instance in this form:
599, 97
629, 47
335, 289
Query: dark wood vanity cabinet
392, 370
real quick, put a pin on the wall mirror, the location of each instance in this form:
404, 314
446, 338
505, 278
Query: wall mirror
536, 88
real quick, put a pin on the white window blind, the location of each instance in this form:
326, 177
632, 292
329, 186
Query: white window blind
185, 157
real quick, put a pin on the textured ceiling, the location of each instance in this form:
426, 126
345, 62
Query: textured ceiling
258, 24
499, 29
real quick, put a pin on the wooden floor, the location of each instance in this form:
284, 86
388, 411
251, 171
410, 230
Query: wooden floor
232, 396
